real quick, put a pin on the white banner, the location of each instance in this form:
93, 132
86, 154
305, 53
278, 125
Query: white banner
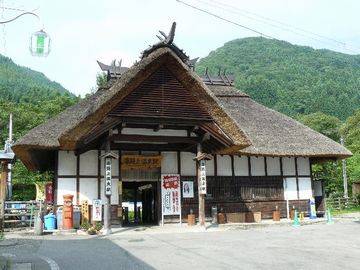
202, 187
96, 210
170, 193
107, 176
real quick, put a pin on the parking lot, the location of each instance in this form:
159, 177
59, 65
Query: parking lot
315, 246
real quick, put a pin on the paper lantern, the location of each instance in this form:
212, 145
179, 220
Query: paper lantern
40, 44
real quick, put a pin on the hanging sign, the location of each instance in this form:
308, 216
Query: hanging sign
170, 192
138, 162
188, 189
97, 210
107, 176
202, 185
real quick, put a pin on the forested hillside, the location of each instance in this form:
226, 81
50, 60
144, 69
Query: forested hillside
291, 79
21, 84
30, 96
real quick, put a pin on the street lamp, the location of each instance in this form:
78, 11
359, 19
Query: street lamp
39, 41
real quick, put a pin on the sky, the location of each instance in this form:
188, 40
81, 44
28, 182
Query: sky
85, 31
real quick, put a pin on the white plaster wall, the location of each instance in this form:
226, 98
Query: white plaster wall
89, 163
224, 165
115, 191
169, 162
188, 164
273, 165
88, 189
67, 163
210, 167
290, 189
317, 188
303, 165
161, 132
257, 166
66, 186
241, 166
288, 165
305, 190
114, 165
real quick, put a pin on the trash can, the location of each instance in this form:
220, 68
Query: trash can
214, 215
50, 222
59, 218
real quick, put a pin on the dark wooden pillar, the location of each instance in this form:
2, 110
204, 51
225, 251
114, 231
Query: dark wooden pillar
201, 196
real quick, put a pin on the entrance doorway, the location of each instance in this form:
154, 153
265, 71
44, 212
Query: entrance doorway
140, 203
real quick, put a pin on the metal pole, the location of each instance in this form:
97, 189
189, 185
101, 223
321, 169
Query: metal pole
344, 172
9, 173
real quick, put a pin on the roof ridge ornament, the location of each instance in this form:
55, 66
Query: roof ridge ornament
168, 41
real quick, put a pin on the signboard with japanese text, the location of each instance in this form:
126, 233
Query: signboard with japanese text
202, 185
138, 162
170, 193
107, 176
97, 210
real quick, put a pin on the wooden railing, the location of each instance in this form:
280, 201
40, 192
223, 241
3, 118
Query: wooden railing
341, 203
15, 214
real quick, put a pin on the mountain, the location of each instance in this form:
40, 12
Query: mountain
21, 84
291, 79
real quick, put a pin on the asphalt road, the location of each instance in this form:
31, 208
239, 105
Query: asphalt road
317, 246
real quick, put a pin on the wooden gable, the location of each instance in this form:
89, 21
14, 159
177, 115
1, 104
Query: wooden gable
161, 96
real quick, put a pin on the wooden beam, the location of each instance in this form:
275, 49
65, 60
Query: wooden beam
77, 179
297, 177
3, 181
55, 181
153, 139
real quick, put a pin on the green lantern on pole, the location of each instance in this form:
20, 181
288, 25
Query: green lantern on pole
40, 44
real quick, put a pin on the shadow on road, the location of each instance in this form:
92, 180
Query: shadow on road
69, 253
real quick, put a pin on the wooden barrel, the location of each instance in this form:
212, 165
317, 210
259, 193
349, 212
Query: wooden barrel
191, 219
292, 214
221, 218
276, 216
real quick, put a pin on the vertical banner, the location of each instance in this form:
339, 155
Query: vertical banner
97, 210
107, 176
171, 195
202, 186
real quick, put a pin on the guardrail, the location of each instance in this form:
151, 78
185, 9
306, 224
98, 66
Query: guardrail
341, 203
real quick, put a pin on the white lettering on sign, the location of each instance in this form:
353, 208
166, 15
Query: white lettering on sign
108, 176
202, 186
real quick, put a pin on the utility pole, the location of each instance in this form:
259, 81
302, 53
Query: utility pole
9, 168
344, 172
200, 192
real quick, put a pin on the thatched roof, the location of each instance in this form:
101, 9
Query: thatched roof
253, 128
66, 129
272, 133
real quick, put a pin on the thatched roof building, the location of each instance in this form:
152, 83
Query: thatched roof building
244, 126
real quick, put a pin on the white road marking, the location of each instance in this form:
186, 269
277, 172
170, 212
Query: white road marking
8, 255
53, 265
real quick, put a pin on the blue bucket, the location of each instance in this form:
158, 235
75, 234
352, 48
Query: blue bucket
50, 222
